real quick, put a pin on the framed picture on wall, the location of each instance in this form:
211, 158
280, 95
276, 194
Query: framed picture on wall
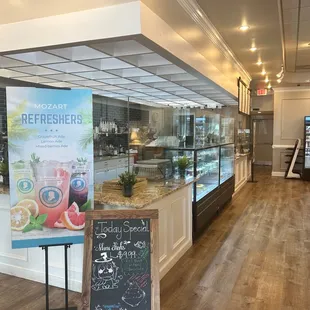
244, 98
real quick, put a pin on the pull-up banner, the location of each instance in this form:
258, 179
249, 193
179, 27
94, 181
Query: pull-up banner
50, 142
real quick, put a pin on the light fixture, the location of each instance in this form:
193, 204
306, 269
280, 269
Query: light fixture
264, 72
281, 73
244, 27
269, 86
279, 80
259, 63
266, 79
253, 49
259, 112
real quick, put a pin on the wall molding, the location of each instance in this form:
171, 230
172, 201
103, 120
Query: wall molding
23, 258
192, 8
278, 146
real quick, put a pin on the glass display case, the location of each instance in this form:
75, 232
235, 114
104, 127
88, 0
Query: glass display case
207, 129
227, 162
243, 141
227, 130
207, 171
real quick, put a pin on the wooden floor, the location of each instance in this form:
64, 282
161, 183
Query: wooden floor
255, 255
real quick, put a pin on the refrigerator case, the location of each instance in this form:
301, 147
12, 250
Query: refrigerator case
306, 168
207, 171
227, 162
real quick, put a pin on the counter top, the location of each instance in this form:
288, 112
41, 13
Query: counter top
153, 192
242, 155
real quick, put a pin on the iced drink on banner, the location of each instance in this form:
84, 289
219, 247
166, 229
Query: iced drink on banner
23, 179
79, 184
52, 189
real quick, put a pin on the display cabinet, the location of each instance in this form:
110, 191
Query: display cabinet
207, 130
243, 141
227, 162
207, 170
227, 130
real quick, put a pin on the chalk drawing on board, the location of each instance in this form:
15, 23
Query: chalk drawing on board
105, 274
134, 295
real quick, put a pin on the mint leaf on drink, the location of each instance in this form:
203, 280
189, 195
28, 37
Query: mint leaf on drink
29, 227
41, 219
38, 226
86, 206
32, 219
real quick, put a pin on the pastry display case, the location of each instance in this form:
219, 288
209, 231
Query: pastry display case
207, 129
227, 162
243, 141
227, 130
207, 170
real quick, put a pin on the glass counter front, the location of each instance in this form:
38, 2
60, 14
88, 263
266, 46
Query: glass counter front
227, 162
207, 171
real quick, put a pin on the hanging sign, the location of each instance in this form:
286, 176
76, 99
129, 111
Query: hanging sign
50, 138
121, 260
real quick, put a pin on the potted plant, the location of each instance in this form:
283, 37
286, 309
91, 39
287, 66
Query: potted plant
127, 180
183, 163
4, 171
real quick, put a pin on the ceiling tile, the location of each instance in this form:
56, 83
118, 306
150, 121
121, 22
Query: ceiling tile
147, 60
35, 70
60, 84
65, 77
96, 75
35, 79
130, 72
69, 67
11, 74
37, 58
305, 14
122, 48
305, 3
77, 53
107, 64
119, 81
149, 79
89, 83
164, 70
6, 62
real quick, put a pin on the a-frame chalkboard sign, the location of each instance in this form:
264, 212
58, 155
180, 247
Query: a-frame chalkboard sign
121, 260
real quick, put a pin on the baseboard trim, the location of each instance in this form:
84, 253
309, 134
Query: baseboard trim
39, 276
278, 174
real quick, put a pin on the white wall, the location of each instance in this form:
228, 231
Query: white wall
291, 105
263, 103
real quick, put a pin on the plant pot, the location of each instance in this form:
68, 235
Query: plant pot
182, 173
127, 190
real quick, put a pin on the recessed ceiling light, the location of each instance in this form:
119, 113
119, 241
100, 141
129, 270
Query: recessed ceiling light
266, 79
253, 49
244, 28
259, 63
264, 72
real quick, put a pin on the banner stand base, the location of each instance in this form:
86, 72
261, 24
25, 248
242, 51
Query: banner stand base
45, 248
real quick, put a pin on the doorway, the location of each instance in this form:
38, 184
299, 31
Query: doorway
263, 138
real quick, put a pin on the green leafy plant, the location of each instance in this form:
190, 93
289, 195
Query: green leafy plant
127, 178
34, 158
4, 168
86, 206
36, 223
87, 138
183, 163
82, 160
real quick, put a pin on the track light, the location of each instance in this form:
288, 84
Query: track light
281, 73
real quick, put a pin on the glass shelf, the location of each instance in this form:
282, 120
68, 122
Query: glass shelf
227, 162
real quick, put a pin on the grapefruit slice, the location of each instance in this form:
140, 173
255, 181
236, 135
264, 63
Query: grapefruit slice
72, 219
31, 205
59, 224
20, 217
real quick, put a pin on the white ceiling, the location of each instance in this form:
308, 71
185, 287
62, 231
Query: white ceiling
265, 33
296, 25
119, 70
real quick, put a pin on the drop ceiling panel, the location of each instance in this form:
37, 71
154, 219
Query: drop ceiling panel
6, 62
69, 67
78, 53
291, 15
107, 64
305, 3
122, 48
35, 70
117, 70
305, 14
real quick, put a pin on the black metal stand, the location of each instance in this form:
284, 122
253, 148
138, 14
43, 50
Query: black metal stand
45, 248
252, 173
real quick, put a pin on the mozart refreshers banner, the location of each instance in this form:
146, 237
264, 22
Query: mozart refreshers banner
50, 141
